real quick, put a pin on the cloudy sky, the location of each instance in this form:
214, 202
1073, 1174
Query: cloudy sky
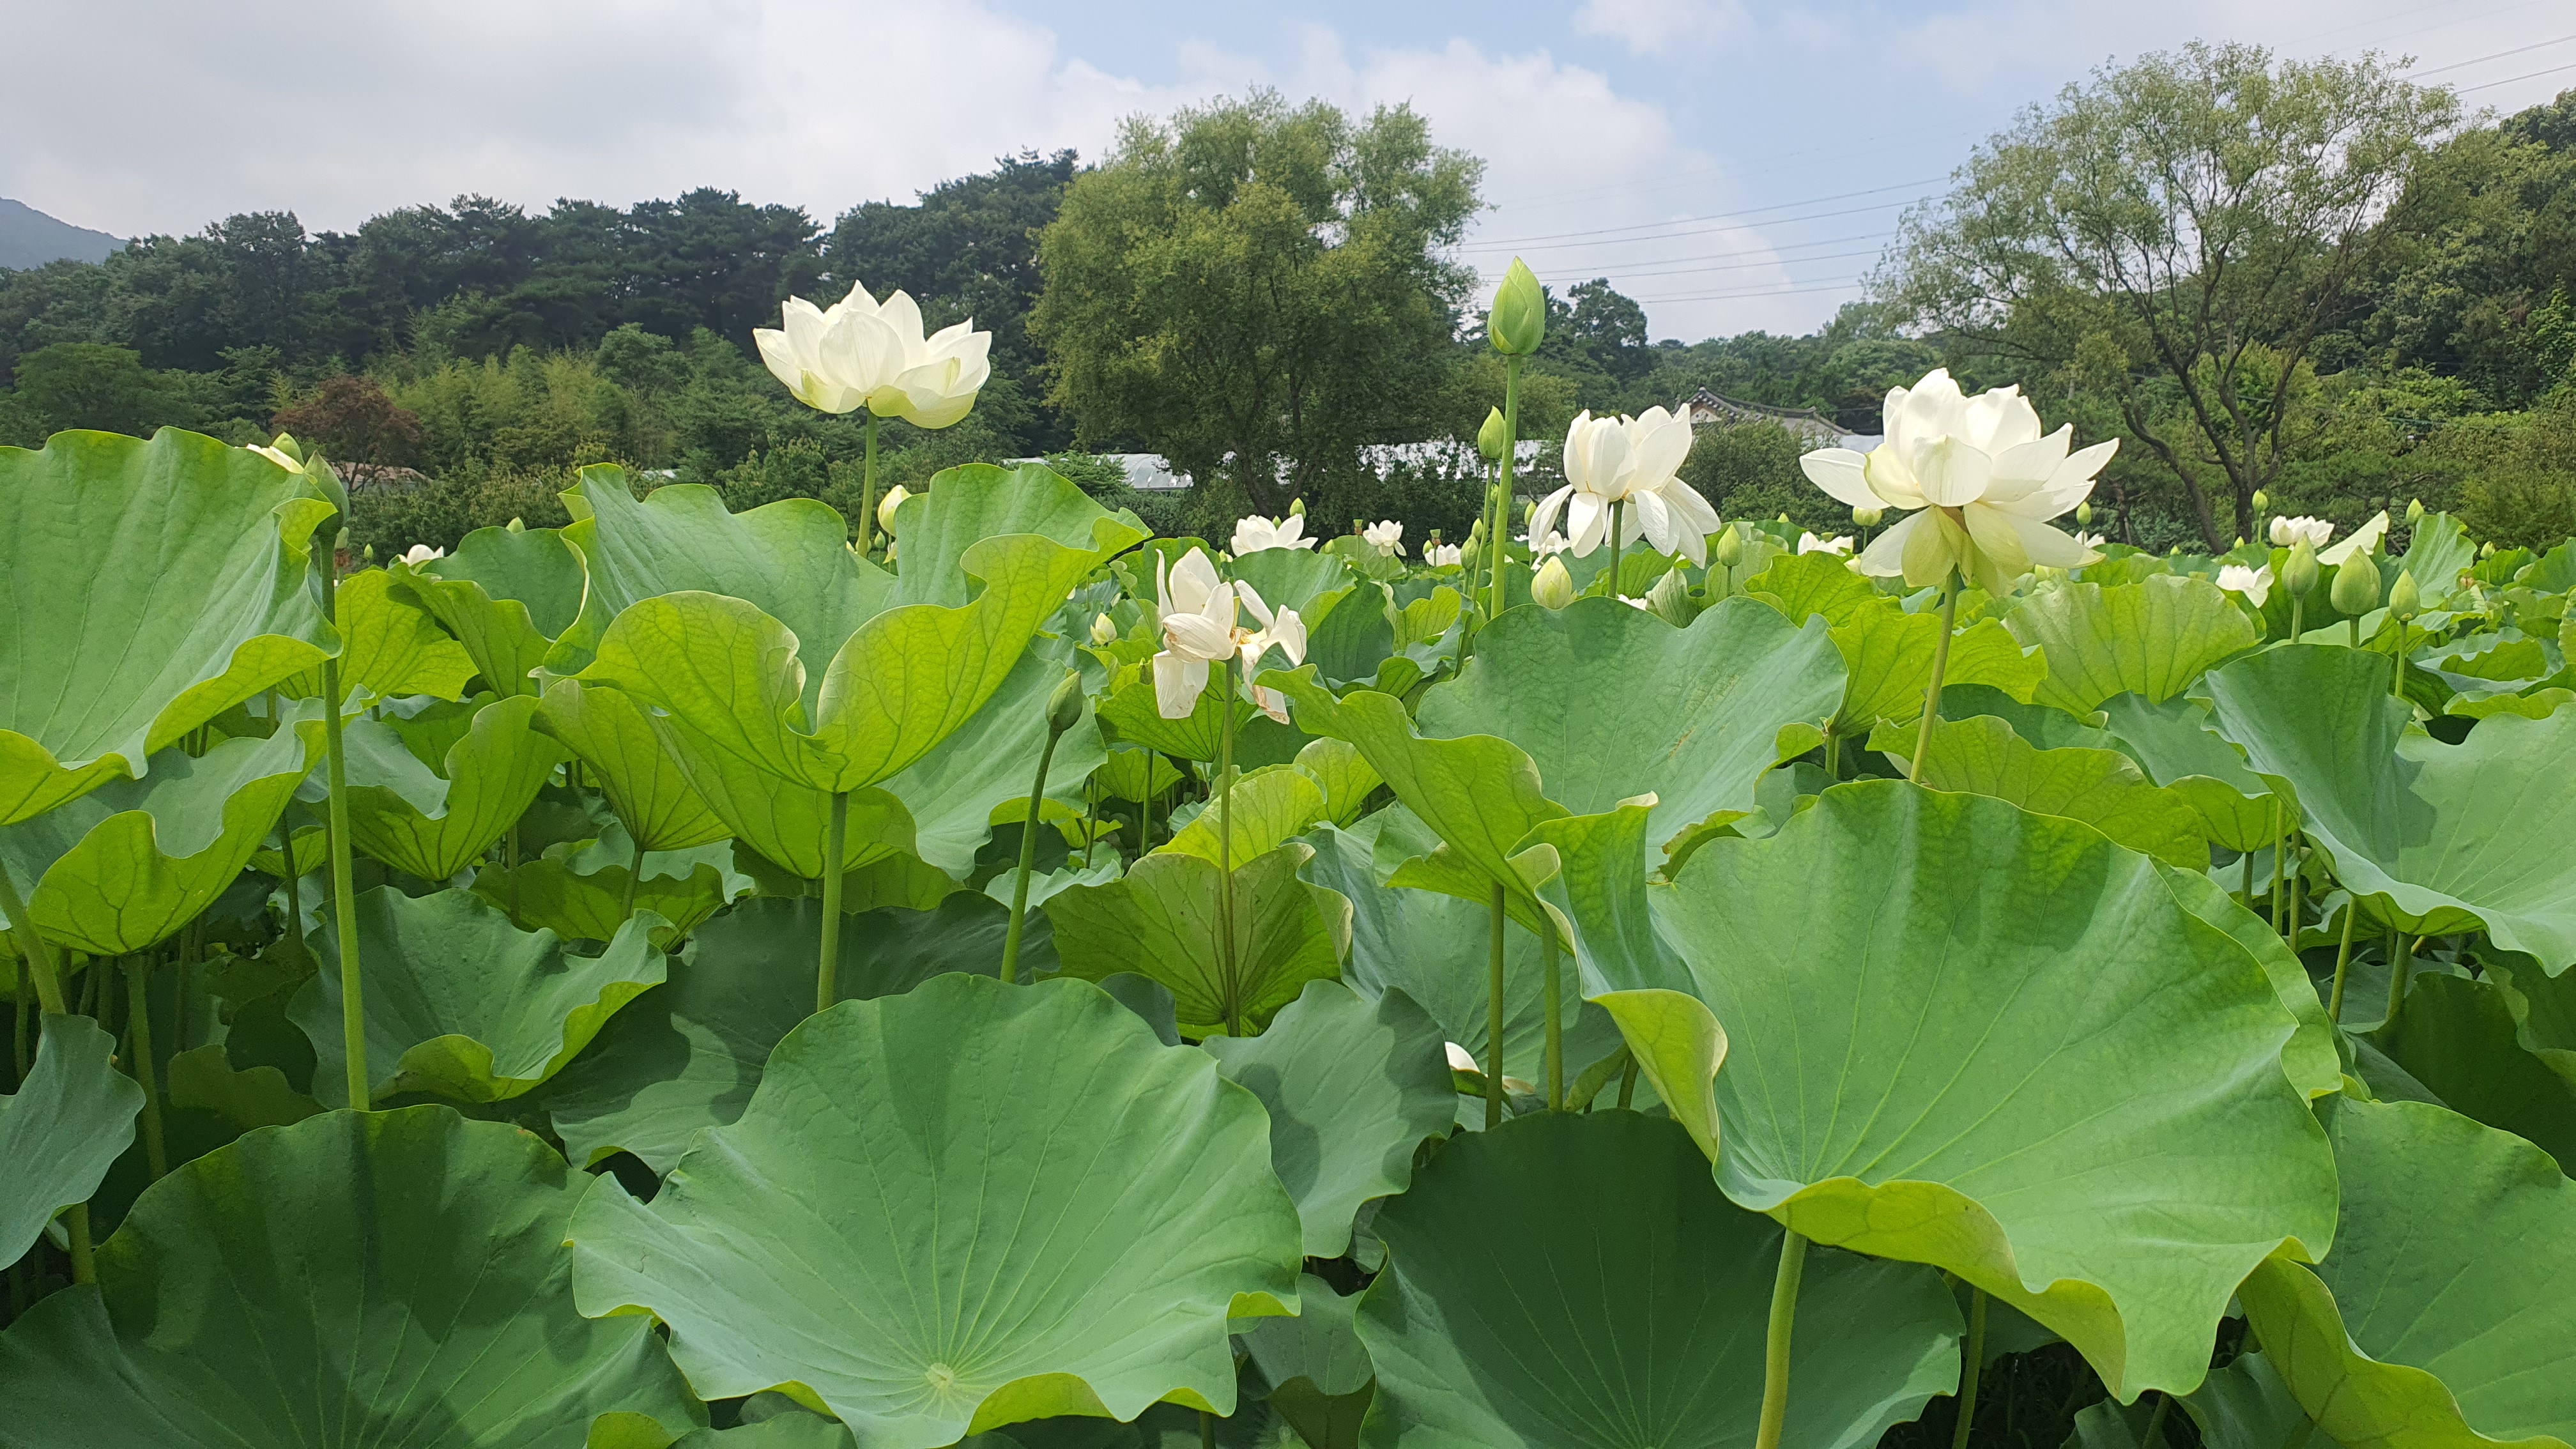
1730, 165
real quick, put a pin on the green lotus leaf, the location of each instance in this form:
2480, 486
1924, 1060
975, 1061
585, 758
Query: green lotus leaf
1903, 1080
1350, 643
1164, 921
1131, 716
1480, 794
460, 1002
2179, 747
127, 670
939, 528
2438, 551
1319, 1374
390, 647
1346, 777
71, 1119
505, 594
126, 866
1292, 578
359, 1278
1803, 585
1981, 755
2544, 1012
548, 894
1888, 654
204, 1080
1578, 1282
2458, 1038
1611, 702
609, 732
1137, 775
2310, 1058
2151, 638
2246, 1406
957, 1209
790, 560
2443, 1315
492, 774
1264, 810
688, 1053
1352, 1087
311, 847
2449, 837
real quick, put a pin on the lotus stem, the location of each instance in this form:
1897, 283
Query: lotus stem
2397, 663
344, 892
1940, 666
1501, 526
1628, 1083
1618, 589
2245, 878
1494, 1017
2280, 837
138, 1011
1775, 1344
2400, 963
868, 491
33, 949
2343, 960
1555, 1025
827, 968
1225, 859
2298, 884
1833, 756
1207, 1430
2298, 612
634, 875
1028, 858
1971, 1364
2354, 624
2155, 1433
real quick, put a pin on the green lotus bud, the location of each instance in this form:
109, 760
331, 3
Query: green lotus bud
1730, 547
2084, 514
515, 525
285, 443
2405, 598
2356, 587
2240, 540
1476, 532
2487, 549
2414, 511
1296, 508
1783, 518
1103, 630
2262, 500
369, 553
1868, 517
1518, 321
1489, 438
2299, 570
1554, 587
1670, 601
1064, 707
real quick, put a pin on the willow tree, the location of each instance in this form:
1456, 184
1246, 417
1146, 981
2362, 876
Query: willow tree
2177, 235
1256, 290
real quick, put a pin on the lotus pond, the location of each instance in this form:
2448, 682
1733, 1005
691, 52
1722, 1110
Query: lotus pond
685, 978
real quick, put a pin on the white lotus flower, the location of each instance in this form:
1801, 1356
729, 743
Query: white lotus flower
1551, 543
1979, 478
1253, 534
2365, 539
1809, 543
1201, 627
2254, 584
1635, 462
1283, 630
886, 506
863, 351
421, 553
2286, 532
1443, 555
794, 352
1104, 630
1386, 536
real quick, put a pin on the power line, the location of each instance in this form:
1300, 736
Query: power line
1838, 285
1695, 257
2499, 55
1494, 242
1624, 275
1709, 230
2509, 80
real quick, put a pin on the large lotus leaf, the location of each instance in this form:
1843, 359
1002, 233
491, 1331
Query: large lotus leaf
2311, 1059
940, 527
493, 773
2457, 1037
2438, 551
2452, 837
1480, 794
1888, 654
71, 1119
1611, 702
1353, 1087
2443, 1316
1577, 1282
1135, 775
1345, 775
151, 587
1131, 715
549, 894
362, 1278
688, 1053
960, 1208
610, 732
2544, 1012
126, 866
1981, 755
2151, 638
390, 647
505, 594
2176, 743
1319, 1374
2246, 1406
2007, 1049
460, 1002
790, 560
1164, 921
1263, 811
1804, 585
1292, 578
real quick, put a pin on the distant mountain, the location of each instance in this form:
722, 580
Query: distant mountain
29, 238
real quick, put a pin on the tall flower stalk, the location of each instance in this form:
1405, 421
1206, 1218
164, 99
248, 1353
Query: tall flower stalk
1515, 326
1064, 711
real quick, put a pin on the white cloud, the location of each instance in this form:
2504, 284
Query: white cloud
1671, 28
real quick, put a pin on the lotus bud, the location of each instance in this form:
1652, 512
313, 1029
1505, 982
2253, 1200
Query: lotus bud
368, 553
1669, 599
1554, 587
1730, 547
2262, 500
2299, 570
1518, 320
1476, 532
2414, 512
1529, 514
887, 505
1296, 508
2084, 514
2405, 597
1868, 517
1064, 707
285, 443
1783, 518
515, 525
1102, 630
1489, 438
2487, 549
2355, 591
2240, 540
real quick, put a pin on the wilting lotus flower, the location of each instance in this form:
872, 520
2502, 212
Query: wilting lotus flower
1636, 462
1386, 536
1810, 543
2286, 532
1984, 479
860, 351
1200, 628
2254, 584
1442, 555
2365, 539
1253, 534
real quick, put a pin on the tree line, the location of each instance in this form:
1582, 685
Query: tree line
2309, 280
